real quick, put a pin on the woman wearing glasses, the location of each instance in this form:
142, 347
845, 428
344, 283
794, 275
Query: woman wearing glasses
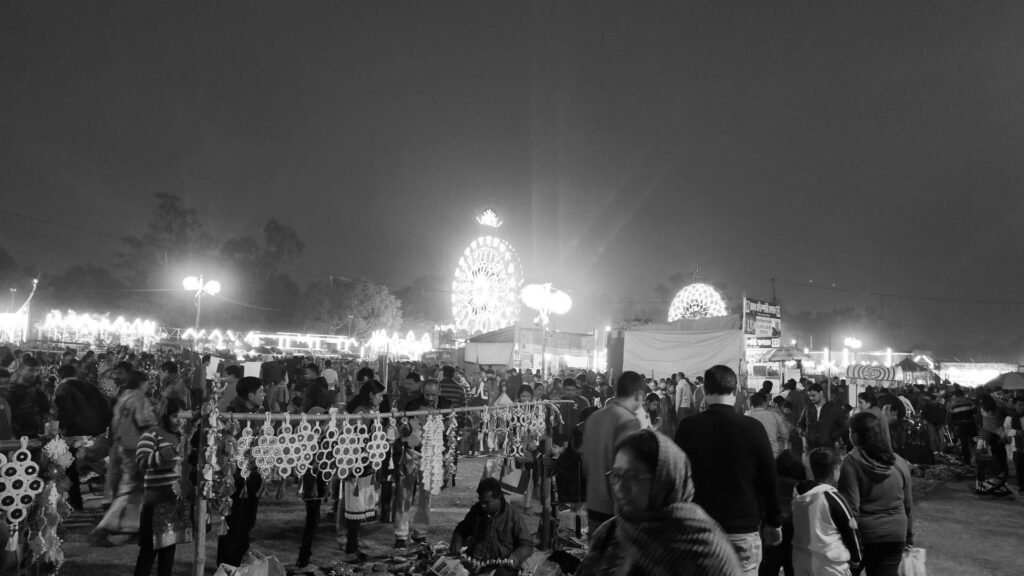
657, 530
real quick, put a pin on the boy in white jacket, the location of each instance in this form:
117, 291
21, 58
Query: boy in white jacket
825, 540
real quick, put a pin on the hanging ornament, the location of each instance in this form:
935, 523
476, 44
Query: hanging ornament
433, 457
491, 430
392, 433
264, 454
58, 452
19, 486
284, 459
377, 448
326, 458
347, 451
211, 463
52, 509
451, 444
305, 446
362, 440
242, 456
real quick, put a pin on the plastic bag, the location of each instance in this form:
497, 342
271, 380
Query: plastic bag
256, 564
913, 562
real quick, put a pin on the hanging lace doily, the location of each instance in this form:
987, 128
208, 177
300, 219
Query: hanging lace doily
326, 460
284, 459
264, 453
305, 446
377, 448
242, 456
348, 450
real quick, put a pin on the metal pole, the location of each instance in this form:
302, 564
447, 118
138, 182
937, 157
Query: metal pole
544, 351
544, 531
199, 557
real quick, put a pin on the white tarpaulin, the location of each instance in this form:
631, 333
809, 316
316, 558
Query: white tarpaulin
665, 352
489, 353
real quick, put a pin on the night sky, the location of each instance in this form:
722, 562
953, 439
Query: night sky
878, 146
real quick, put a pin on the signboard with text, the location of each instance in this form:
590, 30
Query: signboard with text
762, 324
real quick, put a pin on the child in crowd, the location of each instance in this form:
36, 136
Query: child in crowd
825, 539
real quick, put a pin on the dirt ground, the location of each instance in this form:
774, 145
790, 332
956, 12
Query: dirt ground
964, 535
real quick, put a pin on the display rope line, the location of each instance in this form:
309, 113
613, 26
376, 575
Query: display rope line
325, 417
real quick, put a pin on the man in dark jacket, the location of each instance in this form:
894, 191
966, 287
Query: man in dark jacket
83, 411
245, 501
493, 532
734, 474
412, 502
822, 422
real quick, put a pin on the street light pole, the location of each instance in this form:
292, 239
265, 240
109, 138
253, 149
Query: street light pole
11, 307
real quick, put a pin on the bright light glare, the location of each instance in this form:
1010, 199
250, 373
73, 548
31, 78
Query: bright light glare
191, 283
545, 299
212, 287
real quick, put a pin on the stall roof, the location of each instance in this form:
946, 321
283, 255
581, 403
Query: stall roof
908, 365
502, 335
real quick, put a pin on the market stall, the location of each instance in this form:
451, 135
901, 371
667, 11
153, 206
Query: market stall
347, 446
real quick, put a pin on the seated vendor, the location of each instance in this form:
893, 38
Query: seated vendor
494, 534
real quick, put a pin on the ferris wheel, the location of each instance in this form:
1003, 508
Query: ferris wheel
485, 292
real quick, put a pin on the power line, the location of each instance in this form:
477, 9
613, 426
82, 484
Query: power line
835, 288
253, 306
59, 224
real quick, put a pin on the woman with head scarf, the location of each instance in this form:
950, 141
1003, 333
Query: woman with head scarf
657, 529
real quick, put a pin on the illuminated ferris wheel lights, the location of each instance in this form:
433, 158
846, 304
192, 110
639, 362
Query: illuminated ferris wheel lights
486, 286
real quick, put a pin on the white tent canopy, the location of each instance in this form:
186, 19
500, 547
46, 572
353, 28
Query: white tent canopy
660, 353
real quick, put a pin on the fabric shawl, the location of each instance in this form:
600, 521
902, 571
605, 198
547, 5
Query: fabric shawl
672, 537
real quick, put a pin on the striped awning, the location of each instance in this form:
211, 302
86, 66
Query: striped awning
862, 372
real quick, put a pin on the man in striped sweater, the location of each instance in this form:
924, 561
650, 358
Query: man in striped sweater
158, 455
451, 390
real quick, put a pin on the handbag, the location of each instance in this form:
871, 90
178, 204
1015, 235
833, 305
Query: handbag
912, 563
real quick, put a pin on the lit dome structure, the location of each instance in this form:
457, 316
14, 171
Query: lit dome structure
697, 300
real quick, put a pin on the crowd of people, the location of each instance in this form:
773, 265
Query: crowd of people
673, 475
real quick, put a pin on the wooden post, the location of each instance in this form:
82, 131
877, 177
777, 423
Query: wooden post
544, 531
